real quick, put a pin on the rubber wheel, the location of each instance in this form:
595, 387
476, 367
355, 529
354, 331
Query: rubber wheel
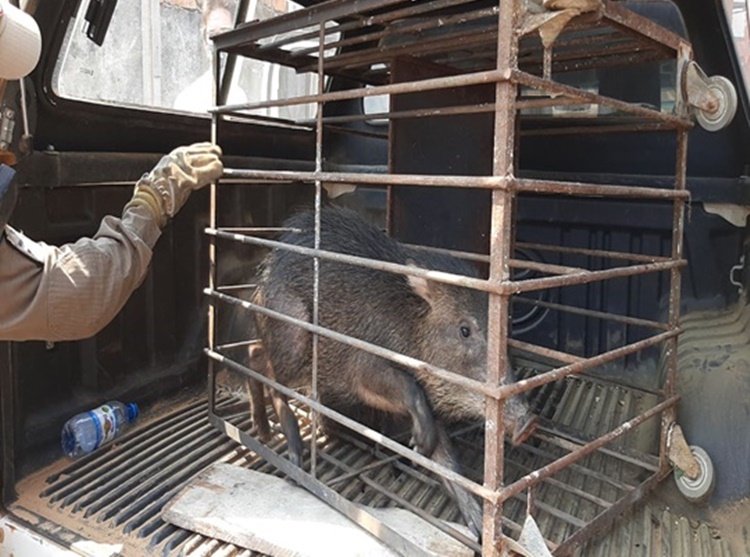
727, 95
699, 489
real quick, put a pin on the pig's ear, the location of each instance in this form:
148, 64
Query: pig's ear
420, 285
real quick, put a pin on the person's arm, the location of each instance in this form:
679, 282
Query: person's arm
72, 292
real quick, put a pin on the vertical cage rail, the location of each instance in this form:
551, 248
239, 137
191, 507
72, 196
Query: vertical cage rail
213, 222
498, 368
506, 78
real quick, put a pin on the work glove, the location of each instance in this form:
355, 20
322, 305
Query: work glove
167, 187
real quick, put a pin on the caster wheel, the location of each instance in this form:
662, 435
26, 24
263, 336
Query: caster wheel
699, 489
727, 95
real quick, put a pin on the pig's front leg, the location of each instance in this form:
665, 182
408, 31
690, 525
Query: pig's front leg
467, 503
393, 390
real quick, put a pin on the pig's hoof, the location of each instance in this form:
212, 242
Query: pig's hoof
521, 434
262, 434
424, 441
291, 481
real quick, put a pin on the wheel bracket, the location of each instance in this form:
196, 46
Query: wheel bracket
680, 455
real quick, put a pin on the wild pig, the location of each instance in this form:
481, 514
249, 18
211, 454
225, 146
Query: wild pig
441, 324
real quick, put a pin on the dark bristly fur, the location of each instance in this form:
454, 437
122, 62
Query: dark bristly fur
441, 324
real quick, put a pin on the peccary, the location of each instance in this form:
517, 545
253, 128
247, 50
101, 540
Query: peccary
441, 324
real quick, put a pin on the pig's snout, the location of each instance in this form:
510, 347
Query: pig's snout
520, 421
523, 429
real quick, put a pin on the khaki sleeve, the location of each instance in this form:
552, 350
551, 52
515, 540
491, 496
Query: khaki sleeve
73, 291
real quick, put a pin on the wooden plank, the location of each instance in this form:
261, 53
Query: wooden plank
269, 515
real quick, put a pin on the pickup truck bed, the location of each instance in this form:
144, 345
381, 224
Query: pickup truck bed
115, 495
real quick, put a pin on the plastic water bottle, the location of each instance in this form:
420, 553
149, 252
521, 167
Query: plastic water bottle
87, 431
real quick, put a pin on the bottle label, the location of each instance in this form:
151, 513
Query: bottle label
106, 424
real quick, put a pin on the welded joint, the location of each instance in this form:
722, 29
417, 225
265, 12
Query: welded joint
679, 453
550, 17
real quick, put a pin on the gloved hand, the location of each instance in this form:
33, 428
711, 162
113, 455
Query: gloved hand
167, 187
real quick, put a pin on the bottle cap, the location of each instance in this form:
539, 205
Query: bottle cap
68, 442
131, 411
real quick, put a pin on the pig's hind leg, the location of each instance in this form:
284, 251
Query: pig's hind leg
257, 362
286, 348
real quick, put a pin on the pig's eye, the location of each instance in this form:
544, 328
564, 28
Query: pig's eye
465, 331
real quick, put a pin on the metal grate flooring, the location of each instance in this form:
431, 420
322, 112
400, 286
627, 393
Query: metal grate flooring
116, 495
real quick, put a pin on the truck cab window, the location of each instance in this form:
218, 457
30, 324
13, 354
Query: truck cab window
738, 16
157, 55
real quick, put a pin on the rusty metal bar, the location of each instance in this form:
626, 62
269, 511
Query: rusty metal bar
527, 185
519, 185
604, 520
598, 129
479, 182
596, 314
467, 255
601, 46
486, 108
365, 431
550, 268
585, 277
371, 20
316, 260
598, 501
238, 344
678, 223
432, 45
312, 15
481, 108
437, 22
608, 480
396, 357
232, 287
263, 119
571, 443
640, 26
547, 102
378, 265
212, 215
257, 229
475, 78
594, 253
498, 366
588, 363
552, 511
598, 63
514, 263
574, 456
553, 87
548, 353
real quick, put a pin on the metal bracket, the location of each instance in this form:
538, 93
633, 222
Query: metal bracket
679, 453
734, 281
7, 125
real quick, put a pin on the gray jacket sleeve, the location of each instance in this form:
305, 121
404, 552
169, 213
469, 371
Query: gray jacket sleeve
73, 291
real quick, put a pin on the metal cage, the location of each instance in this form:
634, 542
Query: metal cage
506, 48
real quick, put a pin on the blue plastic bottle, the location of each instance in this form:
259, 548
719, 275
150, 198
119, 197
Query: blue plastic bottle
87, 431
